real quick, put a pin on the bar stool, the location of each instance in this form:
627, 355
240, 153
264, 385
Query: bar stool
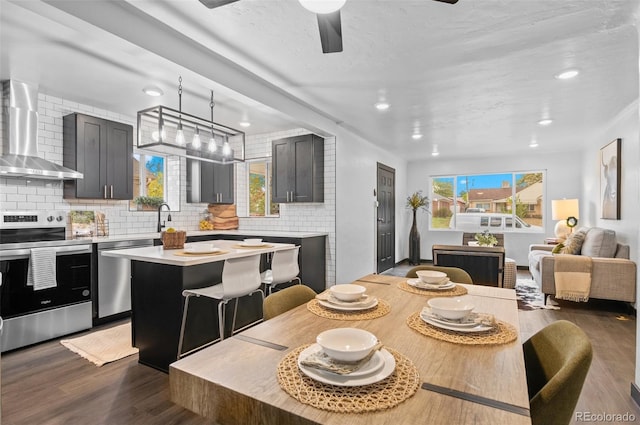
284, 268
240, 277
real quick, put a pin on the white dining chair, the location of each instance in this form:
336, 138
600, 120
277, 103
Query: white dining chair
240, 277
284, 268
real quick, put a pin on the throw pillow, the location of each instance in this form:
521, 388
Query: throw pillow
558, 248
600, 243
574, 242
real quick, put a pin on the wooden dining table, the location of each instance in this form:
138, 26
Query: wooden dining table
234, 382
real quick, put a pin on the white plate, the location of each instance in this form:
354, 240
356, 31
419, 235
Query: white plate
477, 328
201, 249
333, 306
426, 312
365, 300
253, 245
372, 366
417, 283
351, 381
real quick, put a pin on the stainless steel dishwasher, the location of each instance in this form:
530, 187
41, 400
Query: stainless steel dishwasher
114, 278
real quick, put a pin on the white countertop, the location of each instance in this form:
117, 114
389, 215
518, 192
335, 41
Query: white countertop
264, 233
157, 254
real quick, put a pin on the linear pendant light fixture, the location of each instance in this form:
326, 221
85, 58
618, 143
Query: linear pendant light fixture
165, 131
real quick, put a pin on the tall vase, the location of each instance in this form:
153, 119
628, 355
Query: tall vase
414, 243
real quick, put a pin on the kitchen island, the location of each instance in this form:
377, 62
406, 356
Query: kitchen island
158, 277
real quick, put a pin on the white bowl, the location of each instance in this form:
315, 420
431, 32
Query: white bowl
252, 241
347, 292
452, 308
347, 344
431, 276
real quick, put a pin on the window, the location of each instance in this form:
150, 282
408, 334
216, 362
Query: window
149, 181
259, 179
498, 202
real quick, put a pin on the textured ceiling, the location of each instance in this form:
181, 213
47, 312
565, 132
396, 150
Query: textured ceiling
473, 78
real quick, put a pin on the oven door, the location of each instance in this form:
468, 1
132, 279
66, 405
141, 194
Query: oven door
73, 276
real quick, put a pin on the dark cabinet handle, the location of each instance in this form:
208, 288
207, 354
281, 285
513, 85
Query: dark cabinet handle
381, 220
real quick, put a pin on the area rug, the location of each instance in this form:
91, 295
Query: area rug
103, 346
530, 297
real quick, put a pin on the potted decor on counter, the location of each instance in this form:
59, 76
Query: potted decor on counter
416, 201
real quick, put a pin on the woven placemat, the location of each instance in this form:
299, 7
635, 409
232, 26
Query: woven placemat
238, 246
453, 292
388, 393
503, 333
198, 254
380, 310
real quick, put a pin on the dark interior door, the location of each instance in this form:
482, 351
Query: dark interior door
386, 218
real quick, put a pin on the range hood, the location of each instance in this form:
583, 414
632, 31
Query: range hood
20, 137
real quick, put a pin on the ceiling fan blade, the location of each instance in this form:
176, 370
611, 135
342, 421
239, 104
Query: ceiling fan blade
212, 4
330, 32
444, 1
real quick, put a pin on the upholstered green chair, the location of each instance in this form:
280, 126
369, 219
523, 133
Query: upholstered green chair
455, 274
557, 360
286, 299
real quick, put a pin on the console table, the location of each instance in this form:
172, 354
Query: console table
484, 264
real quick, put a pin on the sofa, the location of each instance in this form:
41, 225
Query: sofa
613, 274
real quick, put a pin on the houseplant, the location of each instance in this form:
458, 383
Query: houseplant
148, 202
486, 239
414, 202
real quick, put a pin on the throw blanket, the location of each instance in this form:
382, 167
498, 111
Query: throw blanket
572, 274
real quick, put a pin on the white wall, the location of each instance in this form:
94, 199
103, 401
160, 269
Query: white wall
563, 180
356, 179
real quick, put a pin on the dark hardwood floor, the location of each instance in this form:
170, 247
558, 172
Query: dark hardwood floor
48, 384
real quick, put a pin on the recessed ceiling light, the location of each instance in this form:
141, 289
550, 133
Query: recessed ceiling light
545, 121
245, 124
382, 106
568, 74
153, 91
435, 153
416, 136
533, 144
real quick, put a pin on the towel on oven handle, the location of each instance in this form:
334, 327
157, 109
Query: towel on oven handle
42, 269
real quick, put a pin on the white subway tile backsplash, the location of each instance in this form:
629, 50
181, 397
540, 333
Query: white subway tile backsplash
43, 194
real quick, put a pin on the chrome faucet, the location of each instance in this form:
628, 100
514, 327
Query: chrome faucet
161, 224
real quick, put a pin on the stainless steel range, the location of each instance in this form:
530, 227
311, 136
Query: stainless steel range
34, 313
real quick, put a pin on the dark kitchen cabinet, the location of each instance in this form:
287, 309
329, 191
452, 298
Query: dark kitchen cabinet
103, 151
209, 182
298, 169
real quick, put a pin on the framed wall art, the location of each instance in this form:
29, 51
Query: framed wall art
610, 176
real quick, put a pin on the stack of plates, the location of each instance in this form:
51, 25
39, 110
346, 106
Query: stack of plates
471, 323
201, 249
417, 283
380, 366
364, 303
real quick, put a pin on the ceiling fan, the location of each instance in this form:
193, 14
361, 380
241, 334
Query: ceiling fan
328, 24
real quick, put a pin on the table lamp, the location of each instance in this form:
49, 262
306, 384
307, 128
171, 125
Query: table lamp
568, 212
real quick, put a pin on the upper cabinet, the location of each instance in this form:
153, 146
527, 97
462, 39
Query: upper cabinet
209, 182
298, 169
103, 151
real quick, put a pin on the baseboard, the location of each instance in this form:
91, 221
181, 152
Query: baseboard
405, 262
635, 393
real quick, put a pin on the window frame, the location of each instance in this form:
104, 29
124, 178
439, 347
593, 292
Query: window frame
268, 170
487, 222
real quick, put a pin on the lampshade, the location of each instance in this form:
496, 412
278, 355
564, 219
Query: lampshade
322, 6
561, 209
